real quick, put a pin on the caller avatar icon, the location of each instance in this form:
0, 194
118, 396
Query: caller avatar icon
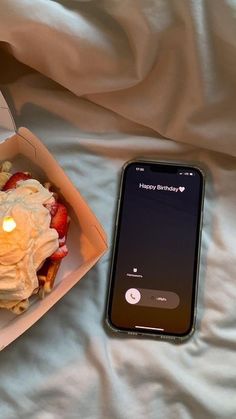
132, 296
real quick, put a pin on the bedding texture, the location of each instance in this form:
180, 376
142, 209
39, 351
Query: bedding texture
102, 82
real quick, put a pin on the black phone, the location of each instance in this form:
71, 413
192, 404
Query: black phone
154, 269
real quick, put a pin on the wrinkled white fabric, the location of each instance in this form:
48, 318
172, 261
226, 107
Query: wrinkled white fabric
102, 82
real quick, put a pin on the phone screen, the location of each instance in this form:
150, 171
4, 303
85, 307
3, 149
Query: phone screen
155, 259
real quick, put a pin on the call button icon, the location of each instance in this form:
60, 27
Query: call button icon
132, 296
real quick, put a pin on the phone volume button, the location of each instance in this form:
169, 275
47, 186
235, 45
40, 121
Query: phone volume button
118, 206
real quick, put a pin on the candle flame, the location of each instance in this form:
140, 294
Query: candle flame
8, 224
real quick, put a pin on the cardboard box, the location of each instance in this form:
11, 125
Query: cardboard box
86, 239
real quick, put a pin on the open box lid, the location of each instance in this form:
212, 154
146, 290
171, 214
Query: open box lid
7, 125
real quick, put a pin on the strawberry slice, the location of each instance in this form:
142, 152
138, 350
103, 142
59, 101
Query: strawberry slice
60, 253
12, 182
52, 208
59, 220
62, 241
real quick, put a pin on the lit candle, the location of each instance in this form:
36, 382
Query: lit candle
8, 224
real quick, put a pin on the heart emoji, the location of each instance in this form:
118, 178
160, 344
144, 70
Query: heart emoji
181, 188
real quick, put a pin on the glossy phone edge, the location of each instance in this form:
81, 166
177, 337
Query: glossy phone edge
171, 338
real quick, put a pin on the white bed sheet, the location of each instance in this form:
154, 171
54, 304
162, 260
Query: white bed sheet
101, 83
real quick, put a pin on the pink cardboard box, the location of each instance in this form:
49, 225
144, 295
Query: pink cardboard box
86, 238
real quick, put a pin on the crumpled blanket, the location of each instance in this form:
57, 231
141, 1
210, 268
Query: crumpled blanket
101, 82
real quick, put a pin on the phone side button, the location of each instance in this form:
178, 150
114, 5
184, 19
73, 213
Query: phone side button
118, 206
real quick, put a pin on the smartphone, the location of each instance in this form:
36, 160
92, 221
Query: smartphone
154, 269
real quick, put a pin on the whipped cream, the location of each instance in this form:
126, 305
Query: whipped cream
24, 249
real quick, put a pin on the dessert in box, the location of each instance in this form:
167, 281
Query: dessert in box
40, 257
33, 231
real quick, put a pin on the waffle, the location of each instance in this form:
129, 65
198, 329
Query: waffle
46, 277
20, 307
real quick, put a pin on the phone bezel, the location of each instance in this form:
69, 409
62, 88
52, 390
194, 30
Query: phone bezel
155, 334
